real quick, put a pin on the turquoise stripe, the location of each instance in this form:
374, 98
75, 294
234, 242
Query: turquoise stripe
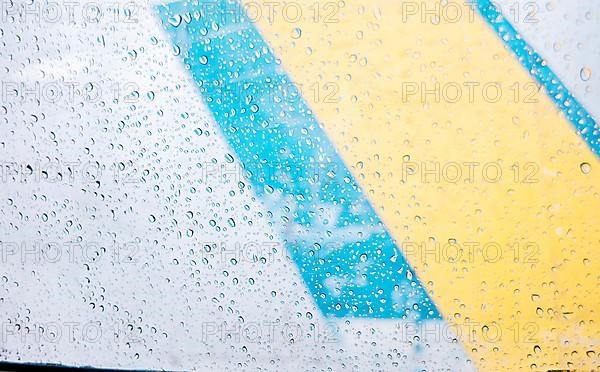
586, 126
345, 254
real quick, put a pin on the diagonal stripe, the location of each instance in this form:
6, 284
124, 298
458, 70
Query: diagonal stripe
575, 112
348, 259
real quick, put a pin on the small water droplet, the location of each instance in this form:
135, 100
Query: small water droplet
175, 21
586, 168
585, 73
296, 33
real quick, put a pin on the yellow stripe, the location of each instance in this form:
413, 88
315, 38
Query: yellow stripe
369, 53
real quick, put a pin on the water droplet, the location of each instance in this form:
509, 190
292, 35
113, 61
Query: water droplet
296, 33
585, 73
175, 21
586, 168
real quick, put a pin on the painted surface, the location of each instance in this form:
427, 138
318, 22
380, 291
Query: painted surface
482, 210
532, 306
347, 258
